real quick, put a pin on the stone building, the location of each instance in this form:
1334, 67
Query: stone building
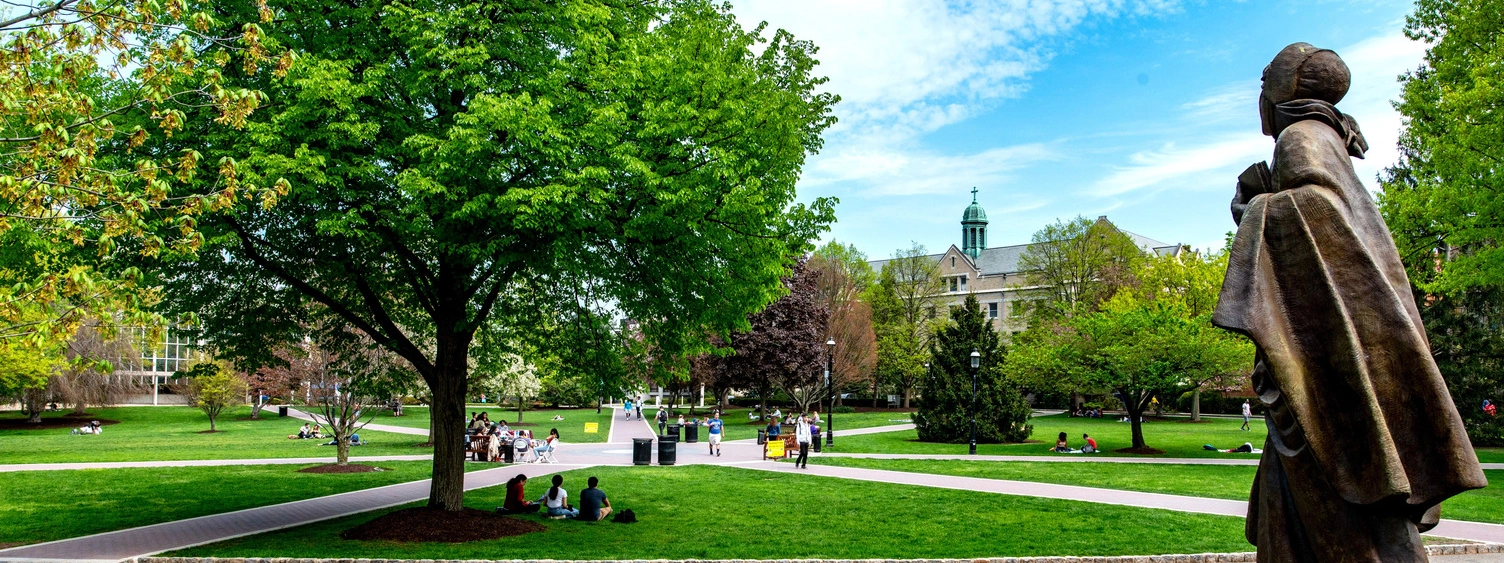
994, 275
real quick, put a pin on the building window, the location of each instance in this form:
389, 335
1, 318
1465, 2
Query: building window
953, 261
951, 282
992, 310
963, 283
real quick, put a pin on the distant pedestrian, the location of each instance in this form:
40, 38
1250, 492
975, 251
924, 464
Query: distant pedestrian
662, 419
801, 435
1247, 414
628, 409
639, 408
715, 425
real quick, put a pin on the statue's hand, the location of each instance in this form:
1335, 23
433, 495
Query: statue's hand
1254, 180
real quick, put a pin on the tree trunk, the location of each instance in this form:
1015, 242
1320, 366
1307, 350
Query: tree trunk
447, 423
211, 421
342, 450
34, 405
520, 402
1196, 405
80, 407
874, 392
907, 393
1135, 408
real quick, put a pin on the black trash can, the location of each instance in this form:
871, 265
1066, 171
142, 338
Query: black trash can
673, 431
815, 441
691, 433
762, 437
282, 410
508, 451
642, 451
668, 450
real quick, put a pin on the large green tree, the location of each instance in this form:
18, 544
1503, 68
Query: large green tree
1078, 264
451, 160
948, 401
1444, 200
1137, 350
82, 83
902, 311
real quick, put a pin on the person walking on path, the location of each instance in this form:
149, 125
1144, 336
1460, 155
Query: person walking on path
801, 435
662, 419
1247, 414
715, 425
639, 408
628, 408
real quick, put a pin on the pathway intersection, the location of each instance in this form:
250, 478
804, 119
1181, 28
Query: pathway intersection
158, 538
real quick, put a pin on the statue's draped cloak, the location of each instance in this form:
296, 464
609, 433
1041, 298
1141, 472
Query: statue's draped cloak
1356, 400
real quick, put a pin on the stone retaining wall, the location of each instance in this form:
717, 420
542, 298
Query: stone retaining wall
1243, 557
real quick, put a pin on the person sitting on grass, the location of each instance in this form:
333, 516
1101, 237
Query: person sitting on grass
1091, 445
594, 506
515, 502
556, 500
1061, 446
303, 433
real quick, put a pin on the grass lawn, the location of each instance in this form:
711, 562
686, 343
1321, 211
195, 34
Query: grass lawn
1490, 455
571, 429
1213, 481
1177, 437
91, 501
708, 512
173, 433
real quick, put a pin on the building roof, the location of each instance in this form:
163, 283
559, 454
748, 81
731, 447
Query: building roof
1005, 259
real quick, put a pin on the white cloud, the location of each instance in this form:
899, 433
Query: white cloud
913, 172
908, 67
1222, 134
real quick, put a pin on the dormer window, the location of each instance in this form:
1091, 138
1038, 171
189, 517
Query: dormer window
953, 261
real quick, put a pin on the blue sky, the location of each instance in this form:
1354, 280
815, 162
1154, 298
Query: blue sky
1141, 110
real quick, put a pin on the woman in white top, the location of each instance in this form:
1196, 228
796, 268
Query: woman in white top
801, 435
556, 500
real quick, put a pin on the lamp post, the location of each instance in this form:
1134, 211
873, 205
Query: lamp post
600, 388
976, 362
830, 415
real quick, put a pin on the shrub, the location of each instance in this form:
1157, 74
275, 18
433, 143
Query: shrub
843, 409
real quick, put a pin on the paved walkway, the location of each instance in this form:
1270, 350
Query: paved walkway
295, 413
204, 462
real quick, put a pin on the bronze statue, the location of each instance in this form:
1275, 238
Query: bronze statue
1364, 441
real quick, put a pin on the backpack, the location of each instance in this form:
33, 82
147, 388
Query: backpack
625, 517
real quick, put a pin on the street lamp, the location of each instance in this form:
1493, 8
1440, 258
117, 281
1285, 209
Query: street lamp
600, 389
830, 415
976, 362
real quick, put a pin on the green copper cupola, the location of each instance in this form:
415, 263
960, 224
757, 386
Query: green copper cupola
973, 228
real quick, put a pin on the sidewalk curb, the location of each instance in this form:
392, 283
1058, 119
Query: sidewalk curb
1239, 557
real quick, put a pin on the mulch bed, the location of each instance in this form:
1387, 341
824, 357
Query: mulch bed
337, 468
209, 431
430, 525
50, 423
1140, 451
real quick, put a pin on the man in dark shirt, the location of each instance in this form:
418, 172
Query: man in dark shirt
593, 503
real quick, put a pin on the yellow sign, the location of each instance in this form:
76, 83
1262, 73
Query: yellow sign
775, 448
592, 427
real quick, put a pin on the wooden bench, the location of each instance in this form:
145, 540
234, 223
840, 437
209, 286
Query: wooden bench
480, 446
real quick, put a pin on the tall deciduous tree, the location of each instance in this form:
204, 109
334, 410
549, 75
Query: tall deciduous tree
90, 378
842, 275
901, 314
24, 371
1444, 200
1078, 264
785, 345
454, 160
948, 404
83, 85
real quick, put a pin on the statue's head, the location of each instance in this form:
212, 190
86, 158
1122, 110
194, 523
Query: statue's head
1301, 71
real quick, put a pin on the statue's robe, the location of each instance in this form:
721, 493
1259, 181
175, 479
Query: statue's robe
1364, 441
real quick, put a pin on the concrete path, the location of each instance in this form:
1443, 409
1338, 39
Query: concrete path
1455, 529
1067, 458
295, 413
147, 540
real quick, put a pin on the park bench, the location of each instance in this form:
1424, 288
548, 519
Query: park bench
479, 447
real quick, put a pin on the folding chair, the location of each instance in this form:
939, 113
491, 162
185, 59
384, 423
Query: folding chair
547, 456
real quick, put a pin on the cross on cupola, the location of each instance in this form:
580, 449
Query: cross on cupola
974, 228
